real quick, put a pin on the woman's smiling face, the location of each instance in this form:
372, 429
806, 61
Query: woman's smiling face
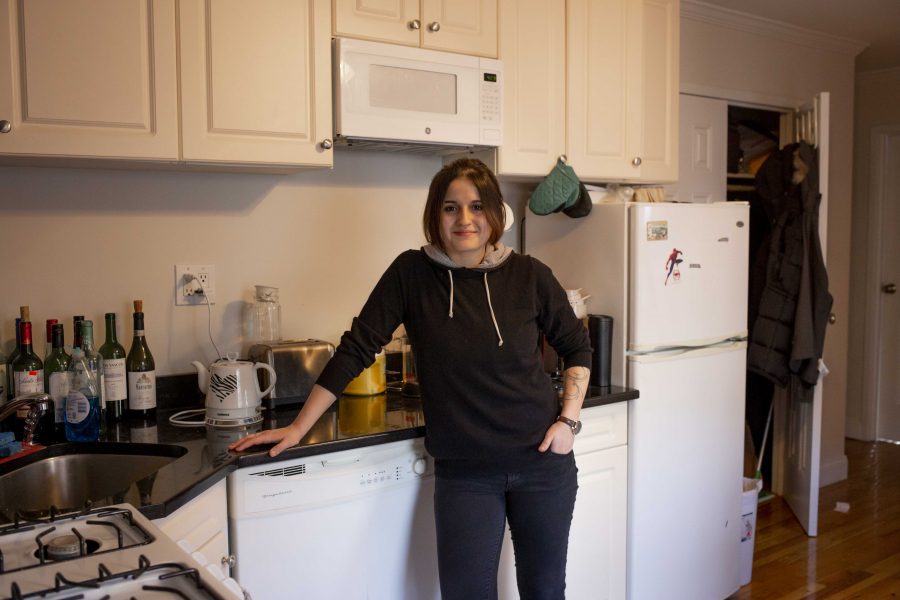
465, 230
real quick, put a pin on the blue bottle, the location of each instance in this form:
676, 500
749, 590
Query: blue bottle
82, 401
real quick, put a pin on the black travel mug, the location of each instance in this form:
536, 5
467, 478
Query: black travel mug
600, 330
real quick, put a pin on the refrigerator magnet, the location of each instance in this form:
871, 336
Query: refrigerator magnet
657, 230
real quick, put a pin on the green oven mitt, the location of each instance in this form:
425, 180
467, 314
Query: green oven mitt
559, 190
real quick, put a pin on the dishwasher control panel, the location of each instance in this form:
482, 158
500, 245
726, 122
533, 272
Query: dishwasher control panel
328, 478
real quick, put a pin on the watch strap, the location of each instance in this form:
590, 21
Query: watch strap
575, 425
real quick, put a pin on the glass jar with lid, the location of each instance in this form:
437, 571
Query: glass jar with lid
262, 322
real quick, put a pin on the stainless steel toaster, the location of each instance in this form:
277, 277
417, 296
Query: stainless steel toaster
297, 364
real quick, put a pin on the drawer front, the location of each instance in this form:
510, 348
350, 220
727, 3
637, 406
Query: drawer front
602, 427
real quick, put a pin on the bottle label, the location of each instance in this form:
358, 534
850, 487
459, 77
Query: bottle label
115, 384
78, 407
29, 382
59, 389
142, 390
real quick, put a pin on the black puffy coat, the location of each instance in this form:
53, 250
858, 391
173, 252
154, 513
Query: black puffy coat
792, 307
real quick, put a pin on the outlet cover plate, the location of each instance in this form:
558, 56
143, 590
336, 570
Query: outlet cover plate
186, 288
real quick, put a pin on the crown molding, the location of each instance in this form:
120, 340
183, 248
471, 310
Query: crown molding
878, 75
740, 21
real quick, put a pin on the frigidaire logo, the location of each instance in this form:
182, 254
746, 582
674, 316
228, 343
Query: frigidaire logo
282, 493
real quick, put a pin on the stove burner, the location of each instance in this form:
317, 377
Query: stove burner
68, 546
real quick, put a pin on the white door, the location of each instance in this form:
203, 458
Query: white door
797, 437
679, 252
702, 150
886, 186
685, 451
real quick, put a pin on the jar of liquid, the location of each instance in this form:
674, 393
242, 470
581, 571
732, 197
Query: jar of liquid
262, 321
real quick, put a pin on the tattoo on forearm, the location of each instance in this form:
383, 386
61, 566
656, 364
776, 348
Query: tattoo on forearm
576, 383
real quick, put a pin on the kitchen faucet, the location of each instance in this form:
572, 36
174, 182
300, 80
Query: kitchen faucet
38, 403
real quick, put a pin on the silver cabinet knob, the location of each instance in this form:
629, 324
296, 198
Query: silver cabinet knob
832, 318
327, 144
414, 24
229, 560
889, 288
636, 161
5, 126
434, 27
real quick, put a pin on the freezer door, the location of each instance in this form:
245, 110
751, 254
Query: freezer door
688, 273
685, 460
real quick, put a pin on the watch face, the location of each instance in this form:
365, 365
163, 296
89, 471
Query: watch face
577, 429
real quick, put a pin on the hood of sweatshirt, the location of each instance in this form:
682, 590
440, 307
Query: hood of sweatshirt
493, 259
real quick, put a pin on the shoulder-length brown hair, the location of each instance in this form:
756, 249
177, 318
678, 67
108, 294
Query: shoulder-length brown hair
488, 190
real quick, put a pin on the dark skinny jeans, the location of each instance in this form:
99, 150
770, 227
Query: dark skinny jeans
471, 511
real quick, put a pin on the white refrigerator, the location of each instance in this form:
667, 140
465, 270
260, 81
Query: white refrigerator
674, 279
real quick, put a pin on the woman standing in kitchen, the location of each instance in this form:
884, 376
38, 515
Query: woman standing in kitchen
474, 311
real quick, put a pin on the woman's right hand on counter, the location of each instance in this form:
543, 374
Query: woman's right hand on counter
283, 437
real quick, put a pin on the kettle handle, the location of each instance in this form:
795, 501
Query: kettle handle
267, 367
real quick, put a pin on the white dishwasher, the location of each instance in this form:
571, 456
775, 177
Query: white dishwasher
355, 524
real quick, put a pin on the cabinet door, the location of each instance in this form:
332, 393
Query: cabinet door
533, 51
596, 562
603, 113
393, 21
256, 81
91, 78
659, 142
465, 26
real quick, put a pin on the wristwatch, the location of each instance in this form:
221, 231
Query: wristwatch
575, 425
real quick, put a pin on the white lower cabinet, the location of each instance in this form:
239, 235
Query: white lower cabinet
201, 527
597, 550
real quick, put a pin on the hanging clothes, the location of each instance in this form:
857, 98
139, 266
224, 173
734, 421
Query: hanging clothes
791, 311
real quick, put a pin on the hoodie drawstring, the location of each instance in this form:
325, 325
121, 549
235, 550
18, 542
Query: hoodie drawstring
487, 290
450, 273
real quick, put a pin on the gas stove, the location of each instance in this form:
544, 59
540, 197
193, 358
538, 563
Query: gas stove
107, 553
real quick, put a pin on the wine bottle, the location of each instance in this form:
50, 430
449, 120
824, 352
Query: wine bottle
140, 370
82, 401
10, 382
28, 369
56, 378
76, 331
115, 385
48, 348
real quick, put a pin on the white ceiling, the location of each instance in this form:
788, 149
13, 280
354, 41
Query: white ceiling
874, 22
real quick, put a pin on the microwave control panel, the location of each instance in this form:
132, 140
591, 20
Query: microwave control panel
491, 105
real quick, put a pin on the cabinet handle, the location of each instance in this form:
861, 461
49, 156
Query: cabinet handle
889, 288
327, 144
5, 126
832, 318
229, 560
414, 24
636, 161
434, 27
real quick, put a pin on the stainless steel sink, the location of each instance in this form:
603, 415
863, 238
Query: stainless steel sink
66, 476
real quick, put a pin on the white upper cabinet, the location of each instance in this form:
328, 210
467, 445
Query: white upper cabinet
464, 26
255, 81
617, 61
88, 79
100, 79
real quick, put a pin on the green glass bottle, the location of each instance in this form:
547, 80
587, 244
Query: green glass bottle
115, 382
28, 369
48, 347
56, 380
140, 370
10, 384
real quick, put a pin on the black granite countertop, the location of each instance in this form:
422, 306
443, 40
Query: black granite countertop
352, 422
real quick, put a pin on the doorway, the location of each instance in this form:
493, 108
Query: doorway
882, 334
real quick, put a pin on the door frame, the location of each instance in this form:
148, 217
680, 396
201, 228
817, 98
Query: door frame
878, 137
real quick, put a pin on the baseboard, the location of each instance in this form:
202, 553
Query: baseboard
833, 471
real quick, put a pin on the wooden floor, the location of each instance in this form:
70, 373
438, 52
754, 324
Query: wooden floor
856, 554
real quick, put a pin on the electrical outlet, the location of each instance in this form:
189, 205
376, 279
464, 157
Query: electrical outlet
187, 289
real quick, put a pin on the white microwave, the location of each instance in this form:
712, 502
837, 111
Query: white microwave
391, 93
